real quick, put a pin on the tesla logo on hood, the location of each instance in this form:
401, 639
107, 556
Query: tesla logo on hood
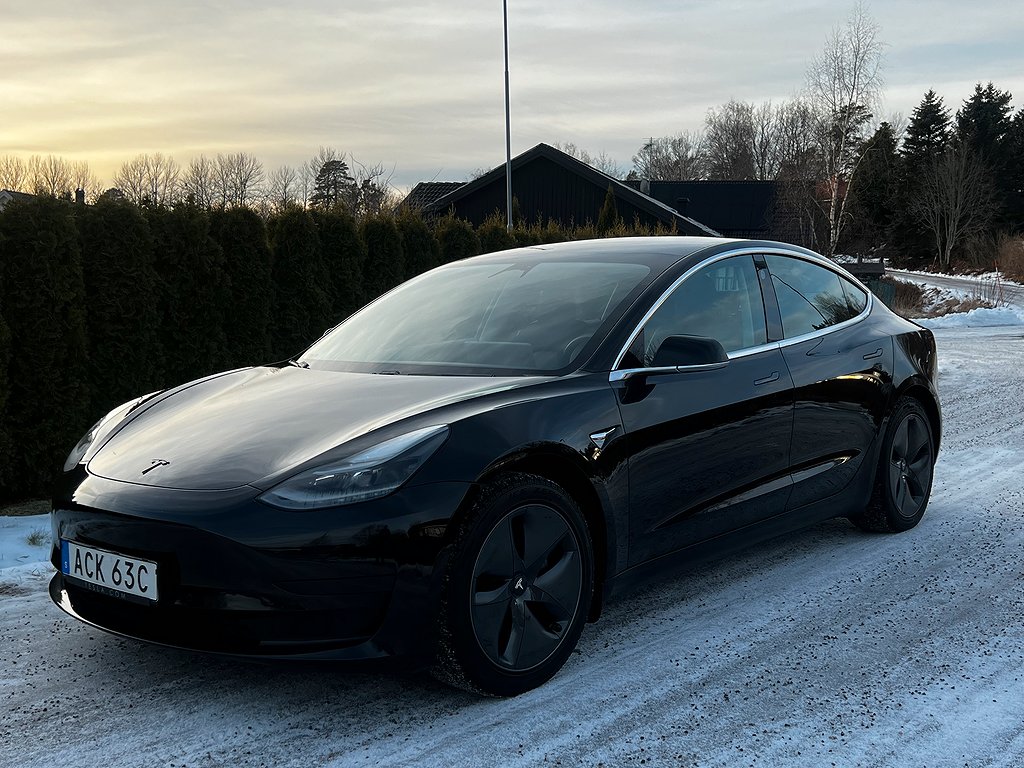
156, 463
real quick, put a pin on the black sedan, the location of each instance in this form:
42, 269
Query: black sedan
462, 472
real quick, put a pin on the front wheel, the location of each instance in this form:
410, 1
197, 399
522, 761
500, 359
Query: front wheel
904, 480
519, 588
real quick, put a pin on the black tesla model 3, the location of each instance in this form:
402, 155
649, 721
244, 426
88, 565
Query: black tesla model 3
462, 472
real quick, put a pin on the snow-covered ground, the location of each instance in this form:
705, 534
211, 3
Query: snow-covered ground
990, 288
827, 647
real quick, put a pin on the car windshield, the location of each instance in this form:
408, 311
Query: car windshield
484, 318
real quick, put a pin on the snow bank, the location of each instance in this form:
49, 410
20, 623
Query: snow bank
976, 318
17, 535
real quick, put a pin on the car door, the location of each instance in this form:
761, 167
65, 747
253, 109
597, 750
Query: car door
842, 374
707, 445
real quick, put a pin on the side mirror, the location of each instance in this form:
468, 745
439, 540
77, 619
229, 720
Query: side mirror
684, 351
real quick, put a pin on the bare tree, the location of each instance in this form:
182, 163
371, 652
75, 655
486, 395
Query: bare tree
844, 82
374, 192
150, 179
13, 173
131, 179
198, 183
84, 179
671, 158
49, 175
954, 199
239, 176
796, 213
764, 141
729, 141
282, 187
601, 161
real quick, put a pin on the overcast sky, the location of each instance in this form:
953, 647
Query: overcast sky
417, 84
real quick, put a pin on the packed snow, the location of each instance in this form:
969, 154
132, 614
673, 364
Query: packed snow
983, 317
826, 647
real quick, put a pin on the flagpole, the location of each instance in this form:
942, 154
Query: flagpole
508, 127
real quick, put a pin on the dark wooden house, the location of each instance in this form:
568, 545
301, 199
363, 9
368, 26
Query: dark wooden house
549, 184
733, 208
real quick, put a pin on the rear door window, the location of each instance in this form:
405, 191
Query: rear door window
810, 297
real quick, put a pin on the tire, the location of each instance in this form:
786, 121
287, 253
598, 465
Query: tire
905, 471
518, 588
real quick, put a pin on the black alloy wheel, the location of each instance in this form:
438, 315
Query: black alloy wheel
526, 587
905, 471
519, 588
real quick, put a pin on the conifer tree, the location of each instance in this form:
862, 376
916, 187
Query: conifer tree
609, 217
334, 185
928, 132
983, 122
873, 200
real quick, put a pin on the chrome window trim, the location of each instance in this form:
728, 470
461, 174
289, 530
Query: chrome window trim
628, 373
748, 351
814, 258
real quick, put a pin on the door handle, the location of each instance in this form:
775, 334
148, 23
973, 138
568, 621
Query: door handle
767, 379
873, 355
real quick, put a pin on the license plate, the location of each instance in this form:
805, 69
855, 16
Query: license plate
109, 570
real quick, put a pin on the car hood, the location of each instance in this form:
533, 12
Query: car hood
244, 426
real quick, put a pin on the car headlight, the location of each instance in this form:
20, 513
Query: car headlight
112, 419
369, 474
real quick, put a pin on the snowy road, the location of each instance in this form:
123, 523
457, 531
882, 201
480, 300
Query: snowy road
829, 647
986, 287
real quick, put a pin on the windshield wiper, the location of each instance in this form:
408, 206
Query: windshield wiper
297, 363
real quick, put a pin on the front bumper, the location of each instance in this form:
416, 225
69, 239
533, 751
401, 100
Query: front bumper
238, 577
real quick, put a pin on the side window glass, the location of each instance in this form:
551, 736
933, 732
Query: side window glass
721, 301
855, 297
810, 297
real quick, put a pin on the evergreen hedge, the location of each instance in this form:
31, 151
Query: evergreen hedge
44, 306
302, 302
159, 296
121, 295
242, 237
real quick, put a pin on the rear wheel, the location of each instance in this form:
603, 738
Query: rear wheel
905, 470
517, 594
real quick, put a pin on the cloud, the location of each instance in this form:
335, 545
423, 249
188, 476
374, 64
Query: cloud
417, 85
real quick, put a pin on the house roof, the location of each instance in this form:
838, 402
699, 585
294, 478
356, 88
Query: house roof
427, 192
9, 195
622, 191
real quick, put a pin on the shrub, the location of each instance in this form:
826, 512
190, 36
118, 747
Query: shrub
494, 234
1010, 257
456, 239
609, 217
